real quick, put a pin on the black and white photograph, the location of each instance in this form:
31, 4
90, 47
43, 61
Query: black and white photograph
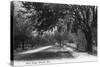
47, 33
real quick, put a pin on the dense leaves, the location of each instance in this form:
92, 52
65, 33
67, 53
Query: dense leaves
43, 17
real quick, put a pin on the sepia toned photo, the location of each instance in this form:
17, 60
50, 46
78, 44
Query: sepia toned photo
43, 33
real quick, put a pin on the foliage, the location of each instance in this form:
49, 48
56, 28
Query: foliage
42, 17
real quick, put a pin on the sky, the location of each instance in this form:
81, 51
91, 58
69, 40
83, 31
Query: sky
17, 6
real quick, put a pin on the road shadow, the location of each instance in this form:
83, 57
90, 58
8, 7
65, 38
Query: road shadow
43, 56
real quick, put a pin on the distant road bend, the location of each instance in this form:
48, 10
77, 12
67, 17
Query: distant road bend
36, 50
50, 47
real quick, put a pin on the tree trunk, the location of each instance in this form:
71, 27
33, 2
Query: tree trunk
88, 35
82, 42
23, 45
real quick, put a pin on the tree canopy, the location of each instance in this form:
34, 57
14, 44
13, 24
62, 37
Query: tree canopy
43, 17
